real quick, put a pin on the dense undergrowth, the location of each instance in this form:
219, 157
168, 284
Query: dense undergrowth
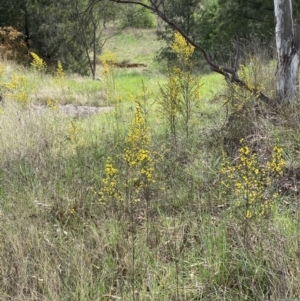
176, 194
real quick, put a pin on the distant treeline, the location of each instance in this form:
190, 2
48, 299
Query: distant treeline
71, 30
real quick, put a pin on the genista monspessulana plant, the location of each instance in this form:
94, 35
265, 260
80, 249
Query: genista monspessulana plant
181, 92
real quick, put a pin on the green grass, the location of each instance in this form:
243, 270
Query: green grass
181, 238
135, 46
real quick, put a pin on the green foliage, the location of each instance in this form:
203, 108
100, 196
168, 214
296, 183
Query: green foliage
139, 158
221, 20
215, 23
110, 191
138, 17
48, 28
184, 13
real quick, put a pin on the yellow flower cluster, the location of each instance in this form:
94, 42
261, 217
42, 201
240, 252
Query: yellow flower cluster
182, 48
59, 74
107, 60
140, 163
276, 165
53, 105
37, 63
182, 90
18, 89
74, 131
109, 190
250, 183
137, 154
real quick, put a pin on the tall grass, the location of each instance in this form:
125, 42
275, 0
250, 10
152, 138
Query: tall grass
172, 236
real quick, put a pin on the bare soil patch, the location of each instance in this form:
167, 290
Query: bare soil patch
75, 110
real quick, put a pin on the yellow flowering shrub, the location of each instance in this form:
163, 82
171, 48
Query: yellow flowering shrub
249, 183
59, 74
138, 156
110, 186
135, 181
74, 133
277, 163
53, 105
18, 89
184, 51
170, 101
107, 59
182, 90
240, 97
37, 63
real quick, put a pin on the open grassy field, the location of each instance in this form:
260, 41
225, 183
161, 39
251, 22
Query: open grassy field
146, 201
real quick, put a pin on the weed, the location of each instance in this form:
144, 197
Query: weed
59, 75
250, 184
124, 238
53, 105
18, 89
182, 91
110, 191
74, 134
138, 156
108, 59
37, 63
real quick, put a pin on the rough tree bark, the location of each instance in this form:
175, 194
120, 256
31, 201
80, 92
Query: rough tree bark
288, 51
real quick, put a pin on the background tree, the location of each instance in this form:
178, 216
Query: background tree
91, 19
214, 23
221, 20
185, 15
158, 7
55, 35
284, 11
48, 28
135, 16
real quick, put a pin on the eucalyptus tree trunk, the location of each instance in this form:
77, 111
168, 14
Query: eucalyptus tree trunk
288, 51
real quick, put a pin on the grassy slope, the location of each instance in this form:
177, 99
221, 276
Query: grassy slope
59, 242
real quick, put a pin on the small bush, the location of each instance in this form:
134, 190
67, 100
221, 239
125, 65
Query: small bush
12, 45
